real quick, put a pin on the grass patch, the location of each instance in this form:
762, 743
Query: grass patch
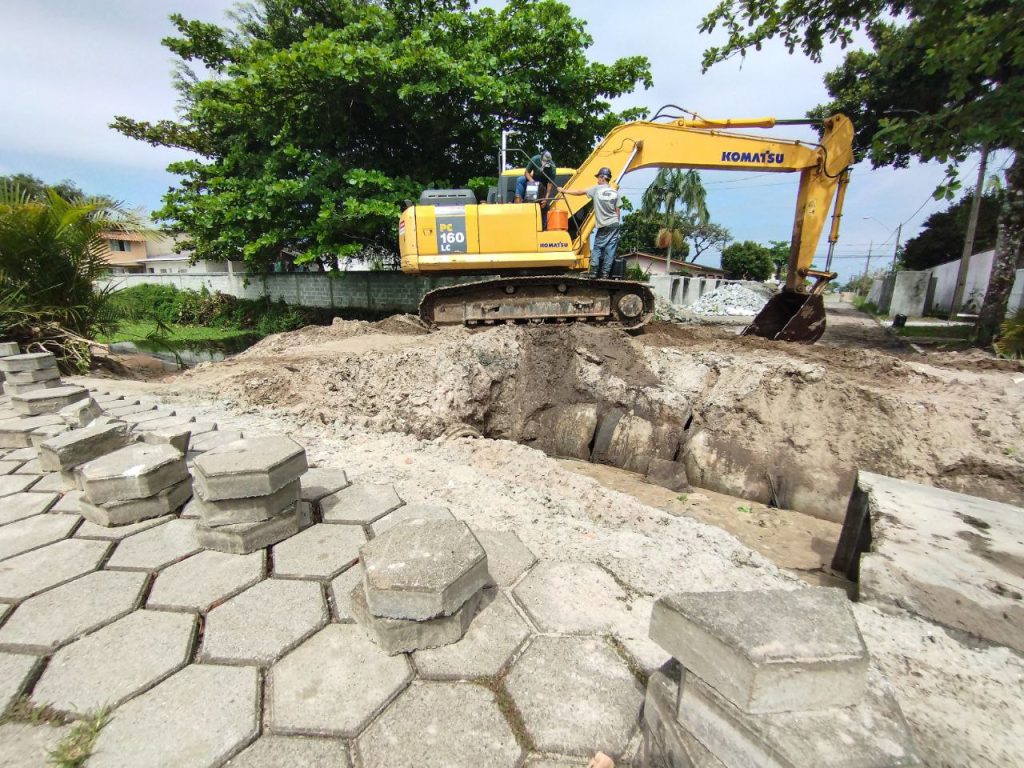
23, 711
140, 330
861, 303
935, 331
509, 710
74, 749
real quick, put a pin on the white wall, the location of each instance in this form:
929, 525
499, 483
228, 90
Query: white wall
974, 289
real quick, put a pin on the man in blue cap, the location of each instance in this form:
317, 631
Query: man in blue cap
607, 214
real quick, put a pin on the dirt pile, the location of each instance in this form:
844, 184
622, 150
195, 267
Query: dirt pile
745, 416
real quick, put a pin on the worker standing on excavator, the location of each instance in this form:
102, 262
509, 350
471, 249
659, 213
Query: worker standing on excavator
607, 214
543, 171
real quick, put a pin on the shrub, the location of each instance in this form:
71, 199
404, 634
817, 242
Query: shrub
1011, 336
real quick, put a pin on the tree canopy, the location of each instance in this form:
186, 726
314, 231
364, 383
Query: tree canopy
322, 116
748, 260
941, 238
35, 188
942, 80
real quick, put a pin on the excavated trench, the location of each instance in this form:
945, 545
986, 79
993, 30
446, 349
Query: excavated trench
783, 425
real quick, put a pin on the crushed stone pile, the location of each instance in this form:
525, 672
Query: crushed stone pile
730, 299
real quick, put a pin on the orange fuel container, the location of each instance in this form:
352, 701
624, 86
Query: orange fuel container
558, 220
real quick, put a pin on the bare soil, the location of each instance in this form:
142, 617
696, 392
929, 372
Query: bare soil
807, 416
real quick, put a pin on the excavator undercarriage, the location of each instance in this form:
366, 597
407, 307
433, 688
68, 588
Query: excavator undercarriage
539, 299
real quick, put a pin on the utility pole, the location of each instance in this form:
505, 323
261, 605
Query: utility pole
972, 226
896, 250
867, 264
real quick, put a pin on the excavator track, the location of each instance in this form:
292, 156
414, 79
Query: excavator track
547, 298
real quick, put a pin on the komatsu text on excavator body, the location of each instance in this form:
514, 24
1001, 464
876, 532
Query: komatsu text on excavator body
527, 271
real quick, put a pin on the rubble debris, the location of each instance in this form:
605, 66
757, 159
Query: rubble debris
730, 299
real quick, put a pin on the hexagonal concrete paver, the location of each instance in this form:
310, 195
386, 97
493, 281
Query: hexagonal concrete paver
360, 503
423, 569
319, 552
252, 466
341, 593
322, 481
16, 483
205, 579
210, 440
197, 717
493, 636
15, 670
507, 556
572, 598
68, 503
90, 530
334, 683
18, 506
25, 575
156, 547
26, 745
33, 532
51, 482
457, 725
117, 662
576, 696
137, 471
292, 752
263, 622
411, 512
49, 620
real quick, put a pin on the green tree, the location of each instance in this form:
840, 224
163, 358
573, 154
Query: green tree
747, 261
706, 236
36, 188
640, 233
324, 115
51, 254
779, 250
670, 189
941, 238
943, 80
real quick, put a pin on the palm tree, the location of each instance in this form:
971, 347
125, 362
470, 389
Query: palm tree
670, 188
51, 254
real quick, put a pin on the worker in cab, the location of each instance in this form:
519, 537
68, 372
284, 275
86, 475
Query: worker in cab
542, 170
607, 217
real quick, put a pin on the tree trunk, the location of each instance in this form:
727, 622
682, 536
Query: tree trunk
1008, 258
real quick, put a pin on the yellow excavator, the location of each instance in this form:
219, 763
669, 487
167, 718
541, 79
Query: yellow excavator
532, 272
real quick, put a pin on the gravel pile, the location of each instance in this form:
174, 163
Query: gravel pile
730, 299
670, 313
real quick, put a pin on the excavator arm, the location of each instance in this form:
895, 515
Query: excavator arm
704, 145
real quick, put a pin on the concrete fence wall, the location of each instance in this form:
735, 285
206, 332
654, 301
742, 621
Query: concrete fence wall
930, 291
366, 291
369, 291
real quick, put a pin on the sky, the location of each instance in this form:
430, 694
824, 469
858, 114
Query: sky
69, 67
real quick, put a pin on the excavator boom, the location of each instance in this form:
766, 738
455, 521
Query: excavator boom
509, 239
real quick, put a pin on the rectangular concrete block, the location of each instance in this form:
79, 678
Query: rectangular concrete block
767, 651
253, 509
245, 538
9, 348
666, 743
14, 433
136, 471
871, 734
115, 513
70, 449
51, 400
33, 361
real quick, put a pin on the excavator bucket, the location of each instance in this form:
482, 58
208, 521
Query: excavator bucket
790, 316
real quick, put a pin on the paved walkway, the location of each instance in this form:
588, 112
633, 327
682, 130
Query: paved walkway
206, 659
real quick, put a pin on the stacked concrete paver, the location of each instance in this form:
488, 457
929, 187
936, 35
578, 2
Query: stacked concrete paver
422, 584
248, 494
28, 372
134, 483
771, 678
